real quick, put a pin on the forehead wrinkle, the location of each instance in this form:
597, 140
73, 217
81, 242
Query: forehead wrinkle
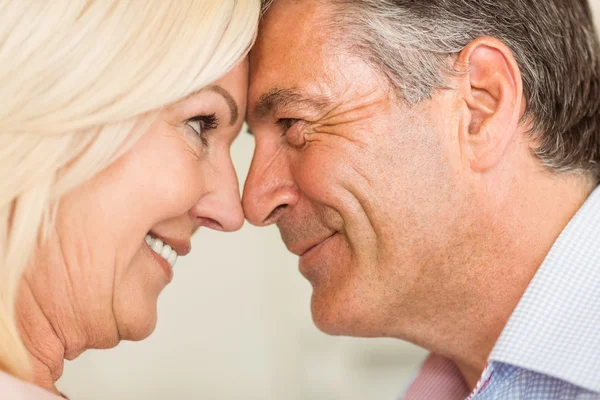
360, 108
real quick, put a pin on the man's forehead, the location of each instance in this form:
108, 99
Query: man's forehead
293, 27
298, 8
304, 84
291, 52
307, 68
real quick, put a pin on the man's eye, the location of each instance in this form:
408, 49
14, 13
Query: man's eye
201, 124
293, 131
286, 124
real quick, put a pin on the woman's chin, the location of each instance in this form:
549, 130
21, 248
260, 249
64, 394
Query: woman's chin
136, 323
139, 332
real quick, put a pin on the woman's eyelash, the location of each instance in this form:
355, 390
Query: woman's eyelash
202, 124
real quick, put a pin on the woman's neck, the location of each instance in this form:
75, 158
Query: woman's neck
45, 345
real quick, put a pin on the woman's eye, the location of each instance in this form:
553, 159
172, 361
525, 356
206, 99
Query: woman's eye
201, 124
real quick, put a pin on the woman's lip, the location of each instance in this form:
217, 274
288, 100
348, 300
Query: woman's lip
162, 263
181, 246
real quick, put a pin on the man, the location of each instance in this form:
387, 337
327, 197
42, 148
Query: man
433, 163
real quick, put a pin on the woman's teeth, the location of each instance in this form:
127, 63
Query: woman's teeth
163, 250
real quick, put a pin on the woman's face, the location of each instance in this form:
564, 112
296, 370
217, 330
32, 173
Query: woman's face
177, 178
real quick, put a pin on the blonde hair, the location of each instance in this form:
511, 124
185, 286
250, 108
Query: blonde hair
80, 80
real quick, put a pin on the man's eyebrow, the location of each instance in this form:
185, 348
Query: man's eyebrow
233, 107
276, 99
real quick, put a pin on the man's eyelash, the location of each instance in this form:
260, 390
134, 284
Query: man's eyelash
286, 124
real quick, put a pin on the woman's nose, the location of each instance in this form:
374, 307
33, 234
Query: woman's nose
221, 207
269, 190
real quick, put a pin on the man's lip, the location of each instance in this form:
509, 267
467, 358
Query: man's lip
181, 246
303, 248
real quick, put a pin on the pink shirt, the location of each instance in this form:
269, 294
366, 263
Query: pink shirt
438, 379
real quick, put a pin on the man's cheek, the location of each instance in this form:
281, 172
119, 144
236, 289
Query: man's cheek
319, 174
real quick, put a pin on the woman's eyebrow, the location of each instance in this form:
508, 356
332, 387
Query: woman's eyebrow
233, 106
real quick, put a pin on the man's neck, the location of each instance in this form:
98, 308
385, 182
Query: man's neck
474, 320
562, 199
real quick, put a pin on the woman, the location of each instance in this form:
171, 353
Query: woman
116, 119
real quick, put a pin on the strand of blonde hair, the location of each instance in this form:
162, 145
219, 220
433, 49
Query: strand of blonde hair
80, 81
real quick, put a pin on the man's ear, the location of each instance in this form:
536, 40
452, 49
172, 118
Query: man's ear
492, 90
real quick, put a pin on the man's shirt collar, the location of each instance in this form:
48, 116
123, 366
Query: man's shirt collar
555, 328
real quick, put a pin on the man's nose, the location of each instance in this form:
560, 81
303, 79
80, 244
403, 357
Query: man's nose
220, 208
270, 189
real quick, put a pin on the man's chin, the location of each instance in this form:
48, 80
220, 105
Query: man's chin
339, 317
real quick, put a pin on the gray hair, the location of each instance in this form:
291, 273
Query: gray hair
265, 4
414, 44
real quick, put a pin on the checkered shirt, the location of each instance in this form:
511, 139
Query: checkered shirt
550, 347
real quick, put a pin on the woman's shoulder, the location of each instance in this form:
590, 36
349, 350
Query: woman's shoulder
16, 389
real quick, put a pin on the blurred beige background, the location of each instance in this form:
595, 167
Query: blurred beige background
235, 324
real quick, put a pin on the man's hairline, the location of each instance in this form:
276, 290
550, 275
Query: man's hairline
342, 43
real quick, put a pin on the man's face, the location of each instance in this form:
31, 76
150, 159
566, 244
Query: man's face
360, 185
